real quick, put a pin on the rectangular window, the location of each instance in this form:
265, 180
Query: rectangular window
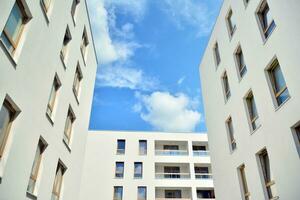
279, 87
53, 96
74, 8
202, 173
230, 131
14, 27
119, 170
205, 194
171, 172
138, 170
266, 19
268, 178
245, 191
69, 126
226, 87
217, 57
46, 4
58, 181
84, 44
230, 23
36, 166
241, 65
77, 81
66, 42
252, 111
121, 147
143, 147
7, 115
173, 194
171, 147
296, 135
118, 193
142, 193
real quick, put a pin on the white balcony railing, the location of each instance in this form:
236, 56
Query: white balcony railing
201, 153
203, 176
172, 175
171, 152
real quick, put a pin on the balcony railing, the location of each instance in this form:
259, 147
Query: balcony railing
203, 176
172, 175
171, 152
173, 199
201, 153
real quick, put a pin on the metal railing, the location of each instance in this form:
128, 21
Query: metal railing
172, 175
203, 176
163, 152
200, 153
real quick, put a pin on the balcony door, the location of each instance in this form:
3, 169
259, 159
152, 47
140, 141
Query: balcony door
173, 194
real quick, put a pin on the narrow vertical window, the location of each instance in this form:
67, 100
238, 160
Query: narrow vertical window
7, 115
118, 193
142, 193
119, 170
46, 4
66, 42
241, 65
69, 126
143, 147
14, 27
58, 181
297, 129
138, 170
75, 4
230, 131
217, 57
266, 19
279, 87
230, 23
226, 87
243, 180
296, 134
121, 147
36, 166
252, 111
84, 44
77, 81
53, 96
268, 178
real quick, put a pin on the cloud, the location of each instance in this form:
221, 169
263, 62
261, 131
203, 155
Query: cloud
167, 112
180, 81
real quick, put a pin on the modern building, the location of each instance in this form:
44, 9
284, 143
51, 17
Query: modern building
146, 165
47, 72
250, 82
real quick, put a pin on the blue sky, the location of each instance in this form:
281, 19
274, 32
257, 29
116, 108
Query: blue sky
149, 52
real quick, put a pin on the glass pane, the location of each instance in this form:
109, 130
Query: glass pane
141, 193
14, 23
58, 181
35, 165
119, 169
283, 96
31, 185
143, 147
4, 122
137, 169
253, 108
121, 144
118, 193
7, 43
279, 80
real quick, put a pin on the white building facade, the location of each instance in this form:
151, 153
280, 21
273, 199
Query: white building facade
146, 165
47, 73
250, 83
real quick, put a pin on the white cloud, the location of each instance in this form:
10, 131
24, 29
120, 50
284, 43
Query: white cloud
180, 81
167, 112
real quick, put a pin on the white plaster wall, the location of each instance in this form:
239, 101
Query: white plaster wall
28, 84
275, 131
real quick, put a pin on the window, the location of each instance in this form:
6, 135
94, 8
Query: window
142, 193
205, 194
173, 194
14, 26
279, 87
36, 166
296, 134
230, 23
242, 175
143, 147
246, 2
46, 4
266, 20
230, 131
118, 193
171, 147
199, 148
69, 126
66, 41
171, 172
252, 111
77, 81
119, 170
297, 129
84, 44
226, 87
121, 147
268, 178
241, 65
202, 173
138, 170
74, 8
58, 181
7, 115
53, 96
217, 54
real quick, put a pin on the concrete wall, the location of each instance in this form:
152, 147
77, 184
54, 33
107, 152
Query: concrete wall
275, 132
27, 80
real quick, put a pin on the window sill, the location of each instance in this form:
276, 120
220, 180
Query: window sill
67, 145
31, 196
282, 104
9, 55
50, 119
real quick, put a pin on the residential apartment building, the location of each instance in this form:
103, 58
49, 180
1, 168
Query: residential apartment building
47, 73
146, 165
250, 81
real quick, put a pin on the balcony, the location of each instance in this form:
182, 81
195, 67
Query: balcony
173, 193
171, 152
172, 171
200, 149
171, 148
172, 175
173, 199
200, 153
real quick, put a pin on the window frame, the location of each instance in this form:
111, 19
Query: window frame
251, 118
137, 175
295, 129
64, 169
84, 45
65, 47
264, 29
77, 87
146, 150
243, 182
238, 57
142, 187
225, 86
121, 151
74, 11
68, 136
56, 84
231, 28
114, 192
116, 171
230, 133
216, 54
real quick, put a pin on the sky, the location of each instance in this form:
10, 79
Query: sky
149, 53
